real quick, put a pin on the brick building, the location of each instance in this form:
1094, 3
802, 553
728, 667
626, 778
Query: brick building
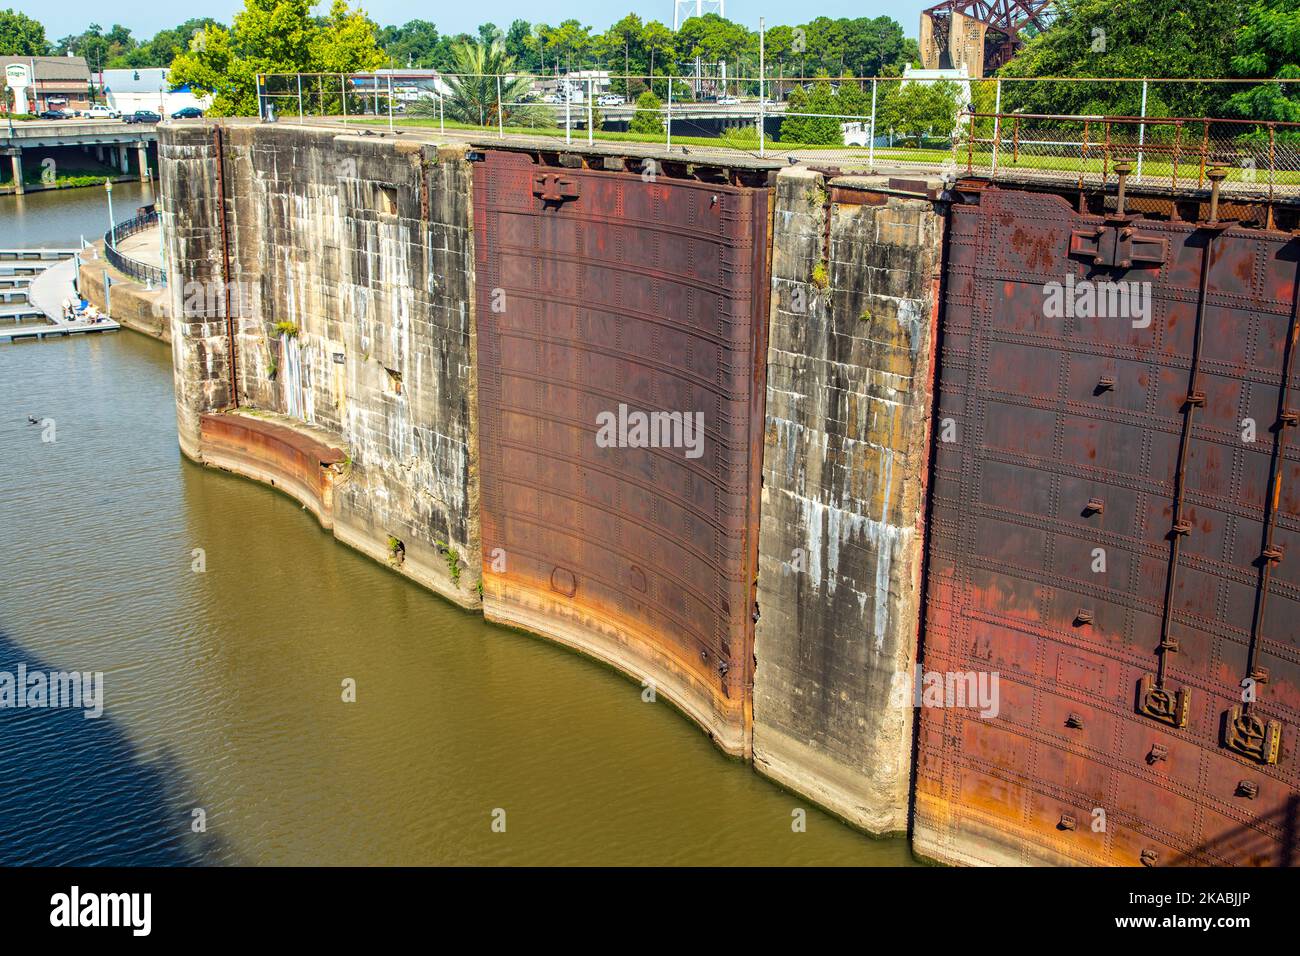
58, 82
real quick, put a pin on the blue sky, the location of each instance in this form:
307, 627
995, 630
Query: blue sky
146, 19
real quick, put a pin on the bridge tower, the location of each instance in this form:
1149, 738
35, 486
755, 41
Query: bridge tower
980, 35
696, 8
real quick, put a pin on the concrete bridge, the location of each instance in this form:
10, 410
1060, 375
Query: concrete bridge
111, 140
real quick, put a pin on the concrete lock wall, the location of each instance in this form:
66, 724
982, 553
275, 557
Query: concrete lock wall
350, 261
348, 294
855, 275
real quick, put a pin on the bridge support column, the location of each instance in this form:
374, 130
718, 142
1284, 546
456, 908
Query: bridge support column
124, 160
142, 154
16, 161
99, 153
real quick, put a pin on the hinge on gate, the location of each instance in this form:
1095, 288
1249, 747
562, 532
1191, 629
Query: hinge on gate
1246, 734
553, 188
1118, 245
1160, 704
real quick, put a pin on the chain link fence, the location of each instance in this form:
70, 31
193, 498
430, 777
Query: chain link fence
1072, 130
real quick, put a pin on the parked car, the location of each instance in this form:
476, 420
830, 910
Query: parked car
55, 115
193, 112
100, 112
142, 116
551, 98
728, 100
611, 99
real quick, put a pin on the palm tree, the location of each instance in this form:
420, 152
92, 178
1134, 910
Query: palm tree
473, 97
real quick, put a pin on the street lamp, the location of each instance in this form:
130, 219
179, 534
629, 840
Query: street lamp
112, 227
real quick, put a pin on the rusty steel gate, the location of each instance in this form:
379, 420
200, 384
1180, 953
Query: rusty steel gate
1113, 532
604, 295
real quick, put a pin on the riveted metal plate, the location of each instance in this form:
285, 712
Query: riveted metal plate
1043, 413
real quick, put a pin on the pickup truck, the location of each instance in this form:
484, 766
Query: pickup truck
100, 112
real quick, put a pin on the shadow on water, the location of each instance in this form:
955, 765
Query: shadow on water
76, 792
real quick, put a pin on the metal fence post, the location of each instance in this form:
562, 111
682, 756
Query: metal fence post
762, 59
871, 140
1142, 130
299, 97
390, 101
343, 89
568, 110
997, 126
669, 124
442, 124
501, 126
591, 116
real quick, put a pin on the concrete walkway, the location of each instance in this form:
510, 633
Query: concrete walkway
142, 247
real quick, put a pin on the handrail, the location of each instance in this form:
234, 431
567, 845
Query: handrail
136, 269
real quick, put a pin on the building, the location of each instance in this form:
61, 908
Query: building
147, 88
57, 82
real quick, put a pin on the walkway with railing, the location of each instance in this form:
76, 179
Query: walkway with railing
141, 271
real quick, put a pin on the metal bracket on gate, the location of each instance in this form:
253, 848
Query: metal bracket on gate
1160, 704
1248, 735
1118, 245
554, 188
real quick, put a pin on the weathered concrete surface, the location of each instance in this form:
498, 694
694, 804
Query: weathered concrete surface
849, 390
134, 306
341, 271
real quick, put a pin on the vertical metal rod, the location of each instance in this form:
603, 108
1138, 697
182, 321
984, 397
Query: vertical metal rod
762, 62
591, 118
442, 126
1272, 495
669, 141
871, 140
501, 123
997, 126
1142, 130
343, 89
299, 97
390, 101
568, 110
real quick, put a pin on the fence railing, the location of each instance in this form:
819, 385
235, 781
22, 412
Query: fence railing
993, 127
141, 271
1175, 152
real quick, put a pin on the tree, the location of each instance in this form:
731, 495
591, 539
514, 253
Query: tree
347, 42
918, 109
624, 40
20, 35
1138, 38
416, 43
473, 96
659, 43
820, 129
1268, 45
647, 118
165, 46
274, 36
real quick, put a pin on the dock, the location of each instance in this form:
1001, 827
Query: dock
33, 286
